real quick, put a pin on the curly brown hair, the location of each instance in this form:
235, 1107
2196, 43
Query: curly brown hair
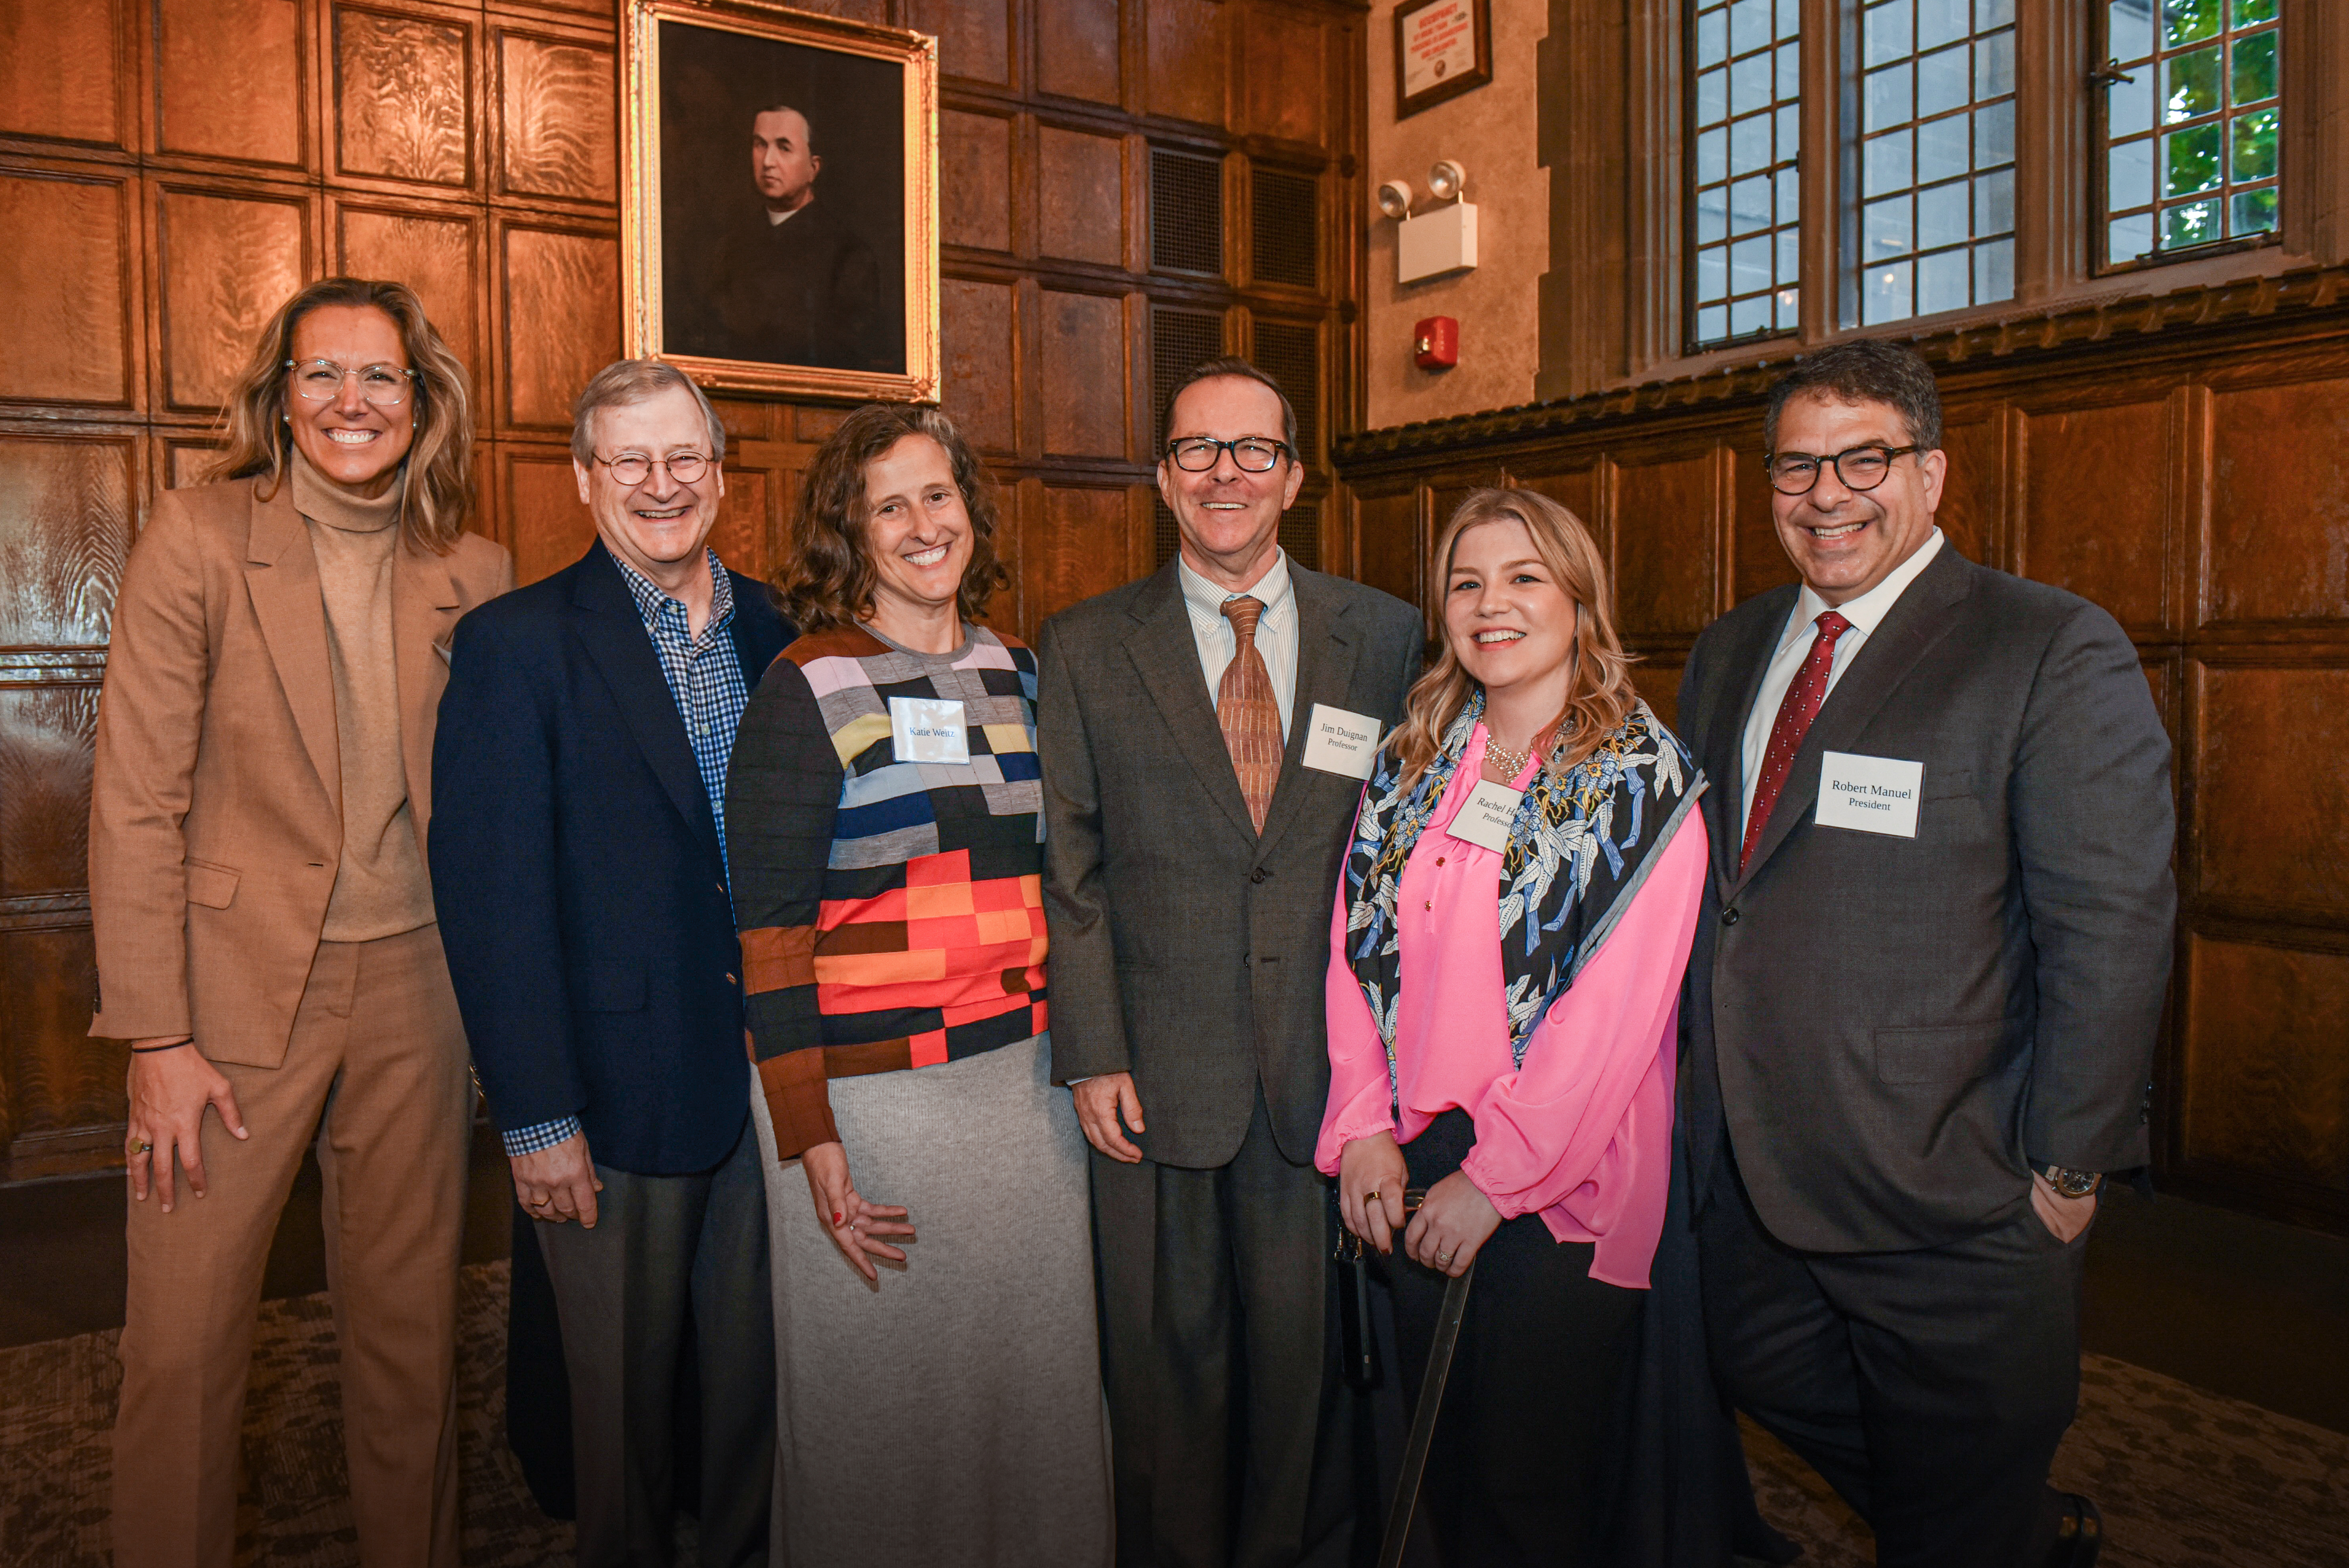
436, 475
827, 579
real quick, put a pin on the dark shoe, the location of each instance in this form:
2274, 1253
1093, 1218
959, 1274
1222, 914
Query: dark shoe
2079, 1535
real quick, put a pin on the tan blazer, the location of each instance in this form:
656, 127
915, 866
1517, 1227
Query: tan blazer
215, 817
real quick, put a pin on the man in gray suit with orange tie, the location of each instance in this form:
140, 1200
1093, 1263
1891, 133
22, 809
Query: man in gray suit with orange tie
1203, 735
1926, 985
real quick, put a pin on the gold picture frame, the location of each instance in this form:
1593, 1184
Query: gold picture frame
787, 308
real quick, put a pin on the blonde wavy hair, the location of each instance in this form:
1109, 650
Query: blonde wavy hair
436, 475
1597, 700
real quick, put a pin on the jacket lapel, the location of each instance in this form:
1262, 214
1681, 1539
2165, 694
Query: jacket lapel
609, 626
1326, 655
1917, 620
424, 605
281, 574
1166, 656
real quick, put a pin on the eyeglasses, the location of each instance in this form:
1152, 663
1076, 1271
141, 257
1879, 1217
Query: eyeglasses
321, 381
632, 468
1858, 468
1197, 454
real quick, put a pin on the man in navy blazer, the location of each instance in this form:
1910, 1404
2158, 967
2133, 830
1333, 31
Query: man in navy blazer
581, 878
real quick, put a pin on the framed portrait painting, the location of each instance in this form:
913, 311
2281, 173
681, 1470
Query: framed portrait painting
780, 220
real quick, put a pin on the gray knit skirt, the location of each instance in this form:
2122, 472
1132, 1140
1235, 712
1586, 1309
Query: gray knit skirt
952, 1414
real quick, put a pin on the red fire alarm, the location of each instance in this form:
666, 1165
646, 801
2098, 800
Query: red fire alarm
1435, 343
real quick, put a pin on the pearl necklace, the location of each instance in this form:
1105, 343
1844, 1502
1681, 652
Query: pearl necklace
1511, 763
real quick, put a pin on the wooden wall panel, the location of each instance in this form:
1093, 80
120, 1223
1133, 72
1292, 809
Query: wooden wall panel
1972, 514
1287, 71
1391, 545
979, 388
975, 181
66, 312
562, 320
1072, 556
227, 261
65, 509
404, 96
974, 37
544, 522
2282, 490
2096, 507
435, 254
739, 535
1083, 365
1081, 59
1084, 220
44, 790
60, 76
1667, 513
230, 79
557, 103
1188, 51
2266, 1090
2271, 793
60, 1083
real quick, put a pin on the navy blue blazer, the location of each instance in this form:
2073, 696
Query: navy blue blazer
576, 870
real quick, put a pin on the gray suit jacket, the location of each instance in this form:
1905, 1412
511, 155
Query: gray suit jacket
1186, 950
1893, 1030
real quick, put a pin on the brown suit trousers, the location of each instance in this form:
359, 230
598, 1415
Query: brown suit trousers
215, 835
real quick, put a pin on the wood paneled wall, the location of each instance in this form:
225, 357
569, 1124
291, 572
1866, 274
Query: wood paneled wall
171, 169
2184, 462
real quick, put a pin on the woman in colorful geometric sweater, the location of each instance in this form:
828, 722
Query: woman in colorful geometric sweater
940, 1398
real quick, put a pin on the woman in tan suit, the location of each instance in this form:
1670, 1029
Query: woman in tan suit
265, 923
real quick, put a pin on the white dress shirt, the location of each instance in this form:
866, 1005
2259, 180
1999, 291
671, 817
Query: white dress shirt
1276, 628
1866, 613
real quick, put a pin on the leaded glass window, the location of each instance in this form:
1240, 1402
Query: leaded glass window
2192, 109
1934, 223
1745, 202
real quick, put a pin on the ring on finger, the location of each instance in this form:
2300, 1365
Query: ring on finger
140, 1146
1446, 1258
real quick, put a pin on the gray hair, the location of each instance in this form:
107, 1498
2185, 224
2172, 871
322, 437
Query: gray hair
627, 381
1863, 370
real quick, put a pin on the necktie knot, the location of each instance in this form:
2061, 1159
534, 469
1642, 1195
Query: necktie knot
1243, 612
1832, 626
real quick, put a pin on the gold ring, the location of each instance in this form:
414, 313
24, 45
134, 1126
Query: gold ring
1446, 1258
139, 1146
1372, 1196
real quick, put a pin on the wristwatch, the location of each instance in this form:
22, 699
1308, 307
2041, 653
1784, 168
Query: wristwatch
2072, 1183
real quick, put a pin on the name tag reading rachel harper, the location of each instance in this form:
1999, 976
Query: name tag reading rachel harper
1869, 794
1485, 817
925, 729
1339, 742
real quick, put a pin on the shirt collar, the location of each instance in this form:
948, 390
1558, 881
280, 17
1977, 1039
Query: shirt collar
1273, 590
1867, 612
652, 599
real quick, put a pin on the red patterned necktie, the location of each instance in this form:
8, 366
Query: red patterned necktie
1247, 711
1795, 715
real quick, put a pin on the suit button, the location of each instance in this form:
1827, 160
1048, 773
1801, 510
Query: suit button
732, 980
1729, 917
1259, 874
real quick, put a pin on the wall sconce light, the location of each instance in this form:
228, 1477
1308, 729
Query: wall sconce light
1439, 241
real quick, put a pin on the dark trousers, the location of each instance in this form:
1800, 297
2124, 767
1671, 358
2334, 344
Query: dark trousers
1517, 1473
666, 1249
1928, 1387
1219, 1358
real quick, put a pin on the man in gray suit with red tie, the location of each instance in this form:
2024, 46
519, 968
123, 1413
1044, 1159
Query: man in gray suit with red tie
1925, 986
1203, 735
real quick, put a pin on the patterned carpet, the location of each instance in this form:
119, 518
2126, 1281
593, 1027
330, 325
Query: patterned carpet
2187, 1479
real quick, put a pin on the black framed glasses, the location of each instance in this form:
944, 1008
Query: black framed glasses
321, 381
1858, 468
632, 468
1253, 454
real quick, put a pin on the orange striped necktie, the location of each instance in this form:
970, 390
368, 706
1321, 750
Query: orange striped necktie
1247, 711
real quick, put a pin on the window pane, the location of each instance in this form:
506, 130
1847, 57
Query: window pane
2129, 176
1790, 258
1713, 323
2255, 67
1749, 205
2255, 211
2189, 160
1745, 124
2192, 87
1712, 157
1790, 309
1712, 34
1995, 203
1749, 25
2130, 237
1939, 21
1944, 215
1790, 71
1749, 265
2194, 224
1749, 315
1994, 134
1749, 144
1886, 30
2128, 29
2129, 106
2249, 11
1943, 81
1884, 295
1887, 232
1994, 270
1942, 282
2255, 144
1885, 159
1994, 66
1943, 149
1887, 96
2184, 21
1711, 97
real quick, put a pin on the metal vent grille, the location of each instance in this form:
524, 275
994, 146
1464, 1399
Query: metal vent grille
1187, 213
1179, 340
1162, 531
1290, 353
1300, 534
1286, 228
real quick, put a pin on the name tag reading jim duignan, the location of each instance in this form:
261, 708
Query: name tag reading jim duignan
1485, 817
1869, 794
925, 729
1339, 742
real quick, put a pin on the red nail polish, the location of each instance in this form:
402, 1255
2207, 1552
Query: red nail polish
837, 1216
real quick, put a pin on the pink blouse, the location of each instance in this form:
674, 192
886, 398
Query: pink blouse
1582, 1132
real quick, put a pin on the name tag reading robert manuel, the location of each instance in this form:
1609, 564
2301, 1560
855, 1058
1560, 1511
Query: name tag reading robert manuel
925, 729
1484, 818
1869, 794
1339, 742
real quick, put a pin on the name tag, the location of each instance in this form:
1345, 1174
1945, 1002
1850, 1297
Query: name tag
1339, 742
1485, 818
1869, 794
924, 729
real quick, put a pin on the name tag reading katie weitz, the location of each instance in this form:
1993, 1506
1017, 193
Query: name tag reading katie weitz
924, 729
1869, 794
1485, 817
1339, 742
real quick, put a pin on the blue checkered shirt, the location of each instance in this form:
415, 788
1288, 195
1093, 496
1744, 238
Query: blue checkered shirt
705, 678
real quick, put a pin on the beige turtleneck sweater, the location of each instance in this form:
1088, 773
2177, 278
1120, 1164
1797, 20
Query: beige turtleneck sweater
382, 888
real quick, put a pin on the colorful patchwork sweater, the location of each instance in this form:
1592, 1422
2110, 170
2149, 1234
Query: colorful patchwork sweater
892, 911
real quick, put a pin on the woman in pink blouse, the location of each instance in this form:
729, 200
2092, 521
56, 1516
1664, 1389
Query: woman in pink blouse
1505, 970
